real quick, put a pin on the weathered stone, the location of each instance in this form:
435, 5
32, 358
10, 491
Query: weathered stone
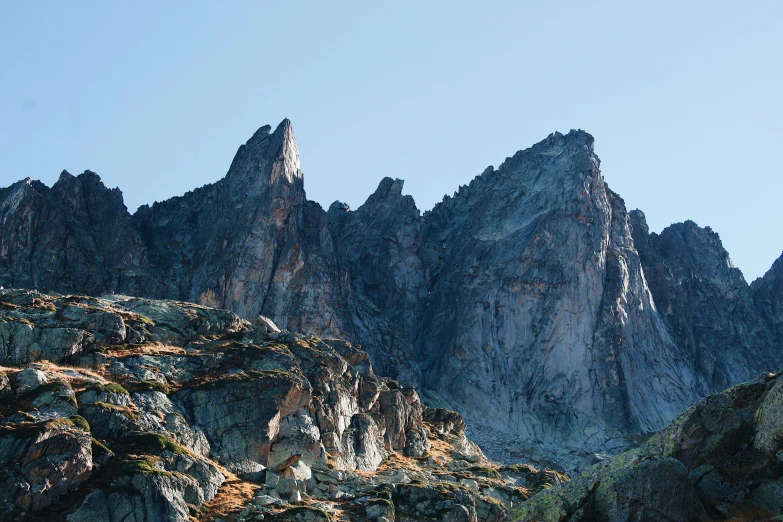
701, 465
768, 496
706, 303
531, 286
42, 462
29, 379
632, 486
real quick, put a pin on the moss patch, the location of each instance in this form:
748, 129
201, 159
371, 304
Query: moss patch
107, 388
148, 386
113, 408
293, 513
242, 377
28, 430
151, 442
80, 422
99, 449
484, 471
140, 466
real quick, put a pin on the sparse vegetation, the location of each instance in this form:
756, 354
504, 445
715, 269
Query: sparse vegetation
146, 465
291, 512
80, 422
151, 442
122, 410
148, 386
100, 449
107, 388
484, 471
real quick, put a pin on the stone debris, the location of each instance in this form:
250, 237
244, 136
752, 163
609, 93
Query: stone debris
168, 426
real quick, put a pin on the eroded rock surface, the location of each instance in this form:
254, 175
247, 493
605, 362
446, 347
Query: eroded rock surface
720, 459
175, 411
530, 301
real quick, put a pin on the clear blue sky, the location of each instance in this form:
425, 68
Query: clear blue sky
683, 98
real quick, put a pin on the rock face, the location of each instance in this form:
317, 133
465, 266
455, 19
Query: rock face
530, 301
721, 459
707, 304
171, 411
766, 293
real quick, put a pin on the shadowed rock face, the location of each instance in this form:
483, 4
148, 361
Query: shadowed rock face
720, 459
539, 303
530, 301
766, 294
707, 304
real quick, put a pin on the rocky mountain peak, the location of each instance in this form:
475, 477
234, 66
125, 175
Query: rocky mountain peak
766, 293
530, 301
268, 161
389, 187
88, 192
389, 194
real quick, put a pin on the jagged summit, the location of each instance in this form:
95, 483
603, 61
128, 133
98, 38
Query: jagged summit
531, 301
261, 134
266, 160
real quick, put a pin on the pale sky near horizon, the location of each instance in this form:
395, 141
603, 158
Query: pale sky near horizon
683, 98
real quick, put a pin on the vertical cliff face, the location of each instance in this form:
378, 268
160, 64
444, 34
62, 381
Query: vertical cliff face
707, 303
531, 301
74, 237
380, 247
539, 318
767, 292
251, 242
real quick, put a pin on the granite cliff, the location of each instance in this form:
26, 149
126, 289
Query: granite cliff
531, 301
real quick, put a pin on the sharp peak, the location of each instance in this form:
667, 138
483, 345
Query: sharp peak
87, 176
390, 187
265, 131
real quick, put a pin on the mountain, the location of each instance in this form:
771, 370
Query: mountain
531, 301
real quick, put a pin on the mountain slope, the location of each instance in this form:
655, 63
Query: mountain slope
151, 410
531, 301
540, 306
719, 460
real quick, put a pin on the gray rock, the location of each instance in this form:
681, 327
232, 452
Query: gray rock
42, 462
361, 446
632, 486
268, 325
29, 379
768, 496
94, 508
701, 465
531, 286
766, 294
706, 303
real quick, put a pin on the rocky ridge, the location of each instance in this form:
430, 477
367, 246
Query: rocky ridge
122, 408
531, 301
721, 459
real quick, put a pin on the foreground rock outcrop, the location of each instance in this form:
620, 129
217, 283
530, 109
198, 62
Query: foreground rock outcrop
721, 459
531, 301
121, 408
